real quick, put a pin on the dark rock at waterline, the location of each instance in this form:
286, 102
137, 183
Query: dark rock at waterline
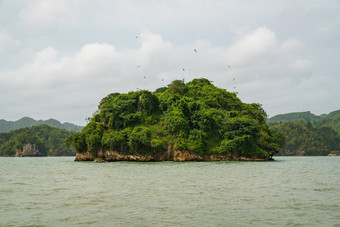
170, 155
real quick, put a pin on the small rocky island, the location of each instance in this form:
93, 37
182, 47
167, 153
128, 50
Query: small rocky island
194, 121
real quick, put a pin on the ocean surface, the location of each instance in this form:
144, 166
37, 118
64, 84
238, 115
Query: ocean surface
56, 191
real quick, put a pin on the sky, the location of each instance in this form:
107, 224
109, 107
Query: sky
59, 58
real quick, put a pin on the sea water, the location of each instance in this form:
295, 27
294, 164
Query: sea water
56, 191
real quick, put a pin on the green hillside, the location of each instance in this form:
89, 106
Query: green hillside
330, 120
300, 116
308, 134
303, 139
6, 126
49, 141
195, 117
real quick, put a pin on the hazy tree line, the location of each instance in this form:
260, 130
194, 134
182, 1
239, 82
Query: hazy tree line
308, 134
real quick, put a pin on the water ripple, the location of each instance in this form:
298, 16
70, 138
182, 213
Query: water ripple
294, 191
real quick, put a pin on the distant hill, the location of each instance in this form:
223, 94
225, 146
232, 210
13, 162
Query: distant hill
38, 140
308, 134
330, 120
300, 116
6, 126
304, 139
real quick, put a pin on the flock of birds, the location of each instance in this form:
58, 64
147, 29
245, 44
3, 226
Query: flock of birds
183, 69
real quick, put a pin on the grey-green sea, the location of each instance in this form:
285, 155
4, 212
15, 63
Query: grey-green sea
56, 191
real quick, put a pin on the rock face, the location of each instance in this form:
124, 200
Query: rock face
334, 155
169, 155
28, 150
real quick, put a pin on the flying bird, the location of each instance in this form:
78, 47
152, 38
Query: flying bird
234, 78
138, 66
195, 50
144, 77
183, 69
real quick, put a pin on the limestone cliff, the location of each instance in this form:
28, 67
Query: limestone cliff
28, 150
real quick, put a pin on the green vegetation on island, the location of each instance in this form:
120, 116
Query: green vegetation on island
41, 140
195, 119
6, 126
308, 134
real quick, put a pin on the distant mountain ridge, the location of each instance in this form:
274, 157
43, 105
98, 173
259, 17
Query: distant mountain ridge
331, 120
307, 116
6, 126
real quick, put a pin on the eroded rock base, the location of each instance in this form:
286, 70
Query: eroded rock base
176, 156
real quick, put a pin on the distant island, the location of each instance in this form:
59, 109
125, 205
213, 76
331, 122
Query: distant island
38, 140
6, 126
193, 121
307, 134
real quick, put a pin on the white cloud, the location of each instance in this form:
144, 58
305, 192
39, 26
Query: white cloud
71, 86
251, 46
291, 45
49, 12
59, 58
7, 42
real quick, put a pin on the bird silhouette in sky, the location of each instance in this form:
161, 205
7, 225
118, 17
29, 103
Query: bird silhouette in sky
195, 50
234, 78
183, 69
138, 66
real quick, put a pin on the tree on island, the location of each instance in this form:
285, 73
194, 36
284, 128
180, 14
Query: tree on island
195, 117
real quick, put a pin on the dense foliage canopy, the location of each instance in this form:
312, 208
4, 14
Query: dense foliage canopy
305, 139
49, 140
308, 134
329, 120
194, 116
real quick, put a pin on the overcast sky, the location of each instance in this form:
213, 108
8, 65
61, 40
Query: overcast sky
59, 58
